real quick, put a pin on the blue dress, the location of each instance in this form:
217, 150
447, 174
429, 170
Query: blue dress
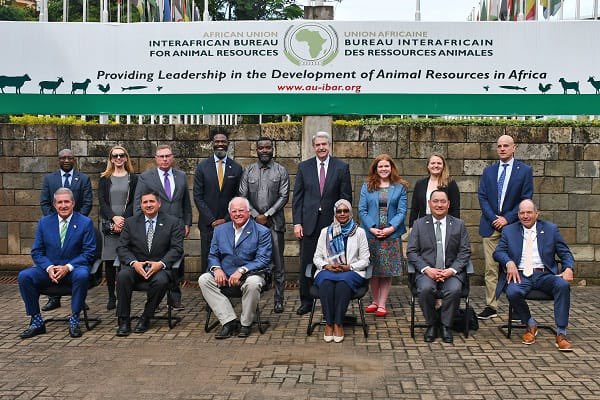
351, 278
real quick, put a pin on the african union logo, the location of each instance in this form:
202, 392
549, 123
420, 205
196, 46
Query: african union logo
311, 44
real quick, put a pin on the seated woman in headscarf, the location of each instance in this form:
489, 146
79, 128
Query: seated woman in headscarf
341, 259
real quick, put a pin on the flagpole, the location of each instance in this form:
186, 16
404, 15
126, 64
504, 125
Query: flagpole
65, 10
521, 16
595, 9
418, 11
560, 13
105, 11
84, 14
206, 15
577, 9
118, 11
128, 11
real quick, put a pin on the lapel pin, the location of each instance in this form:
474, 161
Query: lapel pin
74, 226
541, 231
160, 224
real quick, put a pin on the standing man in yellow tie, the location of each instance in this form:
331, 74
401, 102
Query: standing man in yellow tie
216, 182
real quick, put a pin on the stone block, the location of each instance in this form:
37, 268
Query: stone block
559, 168
136, 148
345, 132
450, 133
482, 134
162, 132
537, 167
410, 167
287, 149
101, 148
27, 197
467, 184
14, 238
26, 245
16, 181
3, 229
583, 252
594, 219
350, 149
591, 152
586, 134
548, 184
570, 151
581, 202
578, 185
290, 164
14, 262
384, 133
94, 165
12, 131
560, 134
243, 132
191, 132
424, 149
294, 131
28, 229
128, 132
376, 148
488, 151
587, 169
40, 132
20, 213
93, 132
594, 236
474, 167
17, 148
358, 166
569, 234
553, 201
80, 148
3, 246
292, 249
560, 218
245, 149
471, 217
9, 164
464, 151
7, 197
421, 134
583, 226
48, 147
587, 269
537, 151
527, 134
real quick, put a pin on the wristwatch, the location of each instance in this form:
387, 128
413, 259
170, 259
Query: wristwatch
242, 270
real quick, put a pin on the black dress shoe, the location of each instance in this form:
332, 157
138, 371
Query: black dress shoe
244, 332
278, 308
229, 329
177, 306
124, 327
304, 309
74, 331
430, 334
143, 325
112, 303
31, 332
52, 304
447, 335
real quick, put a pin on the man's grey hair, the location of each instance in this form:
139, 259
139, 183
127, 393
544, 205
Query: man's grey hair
65, 152
529, 201
323, 135
64, 190
246, 202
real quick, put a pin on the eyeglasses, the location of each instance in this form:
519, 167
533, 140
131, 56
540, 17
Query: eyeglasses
342, 211
118, 155
164, 155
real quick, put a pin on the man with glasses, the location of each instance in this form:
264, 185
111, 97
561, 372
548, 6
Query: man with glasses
171, 186
78, 183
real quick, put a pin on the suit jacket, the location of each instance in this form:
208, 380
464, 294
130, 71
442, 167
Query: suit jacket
167, 243
179, 206
422, 249
357, 252
80, 186
253, 249
550, 244
368, 209
520, 187
308, 201
104, 185
79, 247
418, 206
211, 202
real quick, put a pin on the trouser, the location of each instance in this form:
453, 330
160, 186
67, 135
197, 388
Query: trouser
205, 239
177, 275
308, 245
126, 280
335, 297
491, 269
450, 290
221, 305
111, 277
278, 265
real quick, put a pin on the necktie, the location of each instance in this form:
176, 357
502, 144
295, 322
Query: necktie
150, 234
322, 177
67, 183
528, 263
63, 231
167, 185
439, 251
220, 174
501, 185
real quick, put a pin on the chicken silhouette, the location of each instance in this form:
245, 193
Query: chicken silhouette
104, 89
544, 88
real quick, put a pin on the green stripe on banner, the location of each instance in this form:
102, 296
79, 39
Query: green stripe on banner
302, 104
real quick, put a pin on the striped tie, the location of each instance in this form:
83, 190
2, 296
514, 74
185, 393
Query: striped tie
150, 234
63, 231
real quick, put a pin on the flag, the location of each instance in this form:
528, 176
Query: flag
483, 14
551, 7
177, 13
140, 7
515, 7
505, 10
530, 10
493, 10
167, 11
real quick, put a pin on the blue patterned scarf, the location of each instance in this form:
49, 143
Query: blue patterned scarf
337, 234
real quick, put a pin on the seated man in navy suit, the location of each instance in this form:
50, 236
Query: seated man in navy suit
526, 253
238, 250
63, 251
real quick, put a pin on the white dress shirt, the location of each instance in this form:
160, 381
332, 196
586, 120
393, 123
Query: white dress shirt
506, 179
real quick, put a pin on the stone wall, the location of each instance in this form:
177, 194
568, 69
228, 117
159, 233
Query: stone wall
565, 161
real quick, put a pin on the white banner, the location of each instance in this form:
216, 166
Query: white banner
300, 57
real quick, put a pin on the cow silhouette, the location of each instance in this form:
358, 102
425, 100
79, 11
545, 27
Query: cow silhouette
80, 86
15, 81
50, 85
569, 86
595, 84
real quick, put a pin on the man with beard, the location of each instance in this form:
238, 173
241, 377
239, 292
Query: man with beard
216, 182
266, 185
80, 185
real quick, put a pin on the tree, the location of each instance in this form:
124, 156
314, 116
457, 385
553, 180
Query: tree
11, 12
257, 10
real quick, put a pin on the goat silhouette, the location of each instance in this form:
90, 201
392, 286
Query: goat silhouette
15, 81
80, 86
595, 84
50, 85
569, 86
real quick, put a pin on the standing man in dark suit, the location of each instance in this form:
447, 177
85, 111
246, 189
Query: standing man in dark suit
502, 187
151, 242
439, 248
80, 185
320, 182
266, 185
63, 251
171, 186
216, 182
526, 253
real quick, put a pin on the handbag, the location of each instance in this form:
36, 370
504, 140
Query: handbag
107, 227
458, 324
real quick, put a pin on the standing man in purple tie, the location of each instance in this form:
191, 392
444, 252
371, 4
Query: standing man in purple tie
320, 182
171, 185
502, 187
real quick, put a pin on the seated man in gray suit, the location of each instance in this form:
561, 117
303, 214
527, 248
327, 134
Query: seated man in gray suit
239, 250
439, 269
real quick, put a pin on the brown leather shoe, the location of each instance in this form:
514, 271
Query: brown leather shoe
563, 344
530, 334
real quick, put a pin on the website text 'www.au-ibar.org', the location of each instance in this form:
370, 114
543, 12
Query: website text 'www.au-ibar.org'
323, 87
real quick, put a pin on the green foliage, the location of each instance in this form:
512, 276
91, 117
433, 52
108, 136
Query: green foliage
11, 12
43, 120
425, 122
257, 10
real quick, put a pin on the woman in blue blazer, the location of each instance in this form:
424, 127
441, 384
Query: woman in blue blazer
382, 209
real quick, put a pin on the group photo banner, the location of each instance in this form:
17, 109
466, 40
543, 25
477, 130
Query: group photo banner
301, 67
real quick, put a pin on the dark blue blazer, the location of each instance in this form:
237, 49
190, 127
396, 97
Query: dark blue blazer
79, 248
368, 209
80, 186
307, 200
252, 251
520, 187
550, 244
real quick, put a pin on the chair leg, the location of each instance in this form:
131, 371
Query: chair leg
207, 325
365, 327
466, 317
311, 327
412, 316
262, 325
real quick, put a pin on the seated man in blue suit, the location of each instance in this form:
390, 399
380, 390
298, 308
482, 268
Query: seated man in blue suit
63, 251
239, 250
526, 253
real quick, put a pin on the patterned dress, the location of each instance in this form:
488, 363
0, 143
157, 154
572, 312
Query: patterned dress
386, 254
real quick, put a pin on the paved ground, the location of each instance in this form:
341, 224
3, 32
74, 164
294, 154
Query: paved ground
186, 363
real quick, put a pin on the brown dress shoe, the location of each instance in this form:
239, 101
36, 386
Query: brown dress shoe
563, 344
530, 334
